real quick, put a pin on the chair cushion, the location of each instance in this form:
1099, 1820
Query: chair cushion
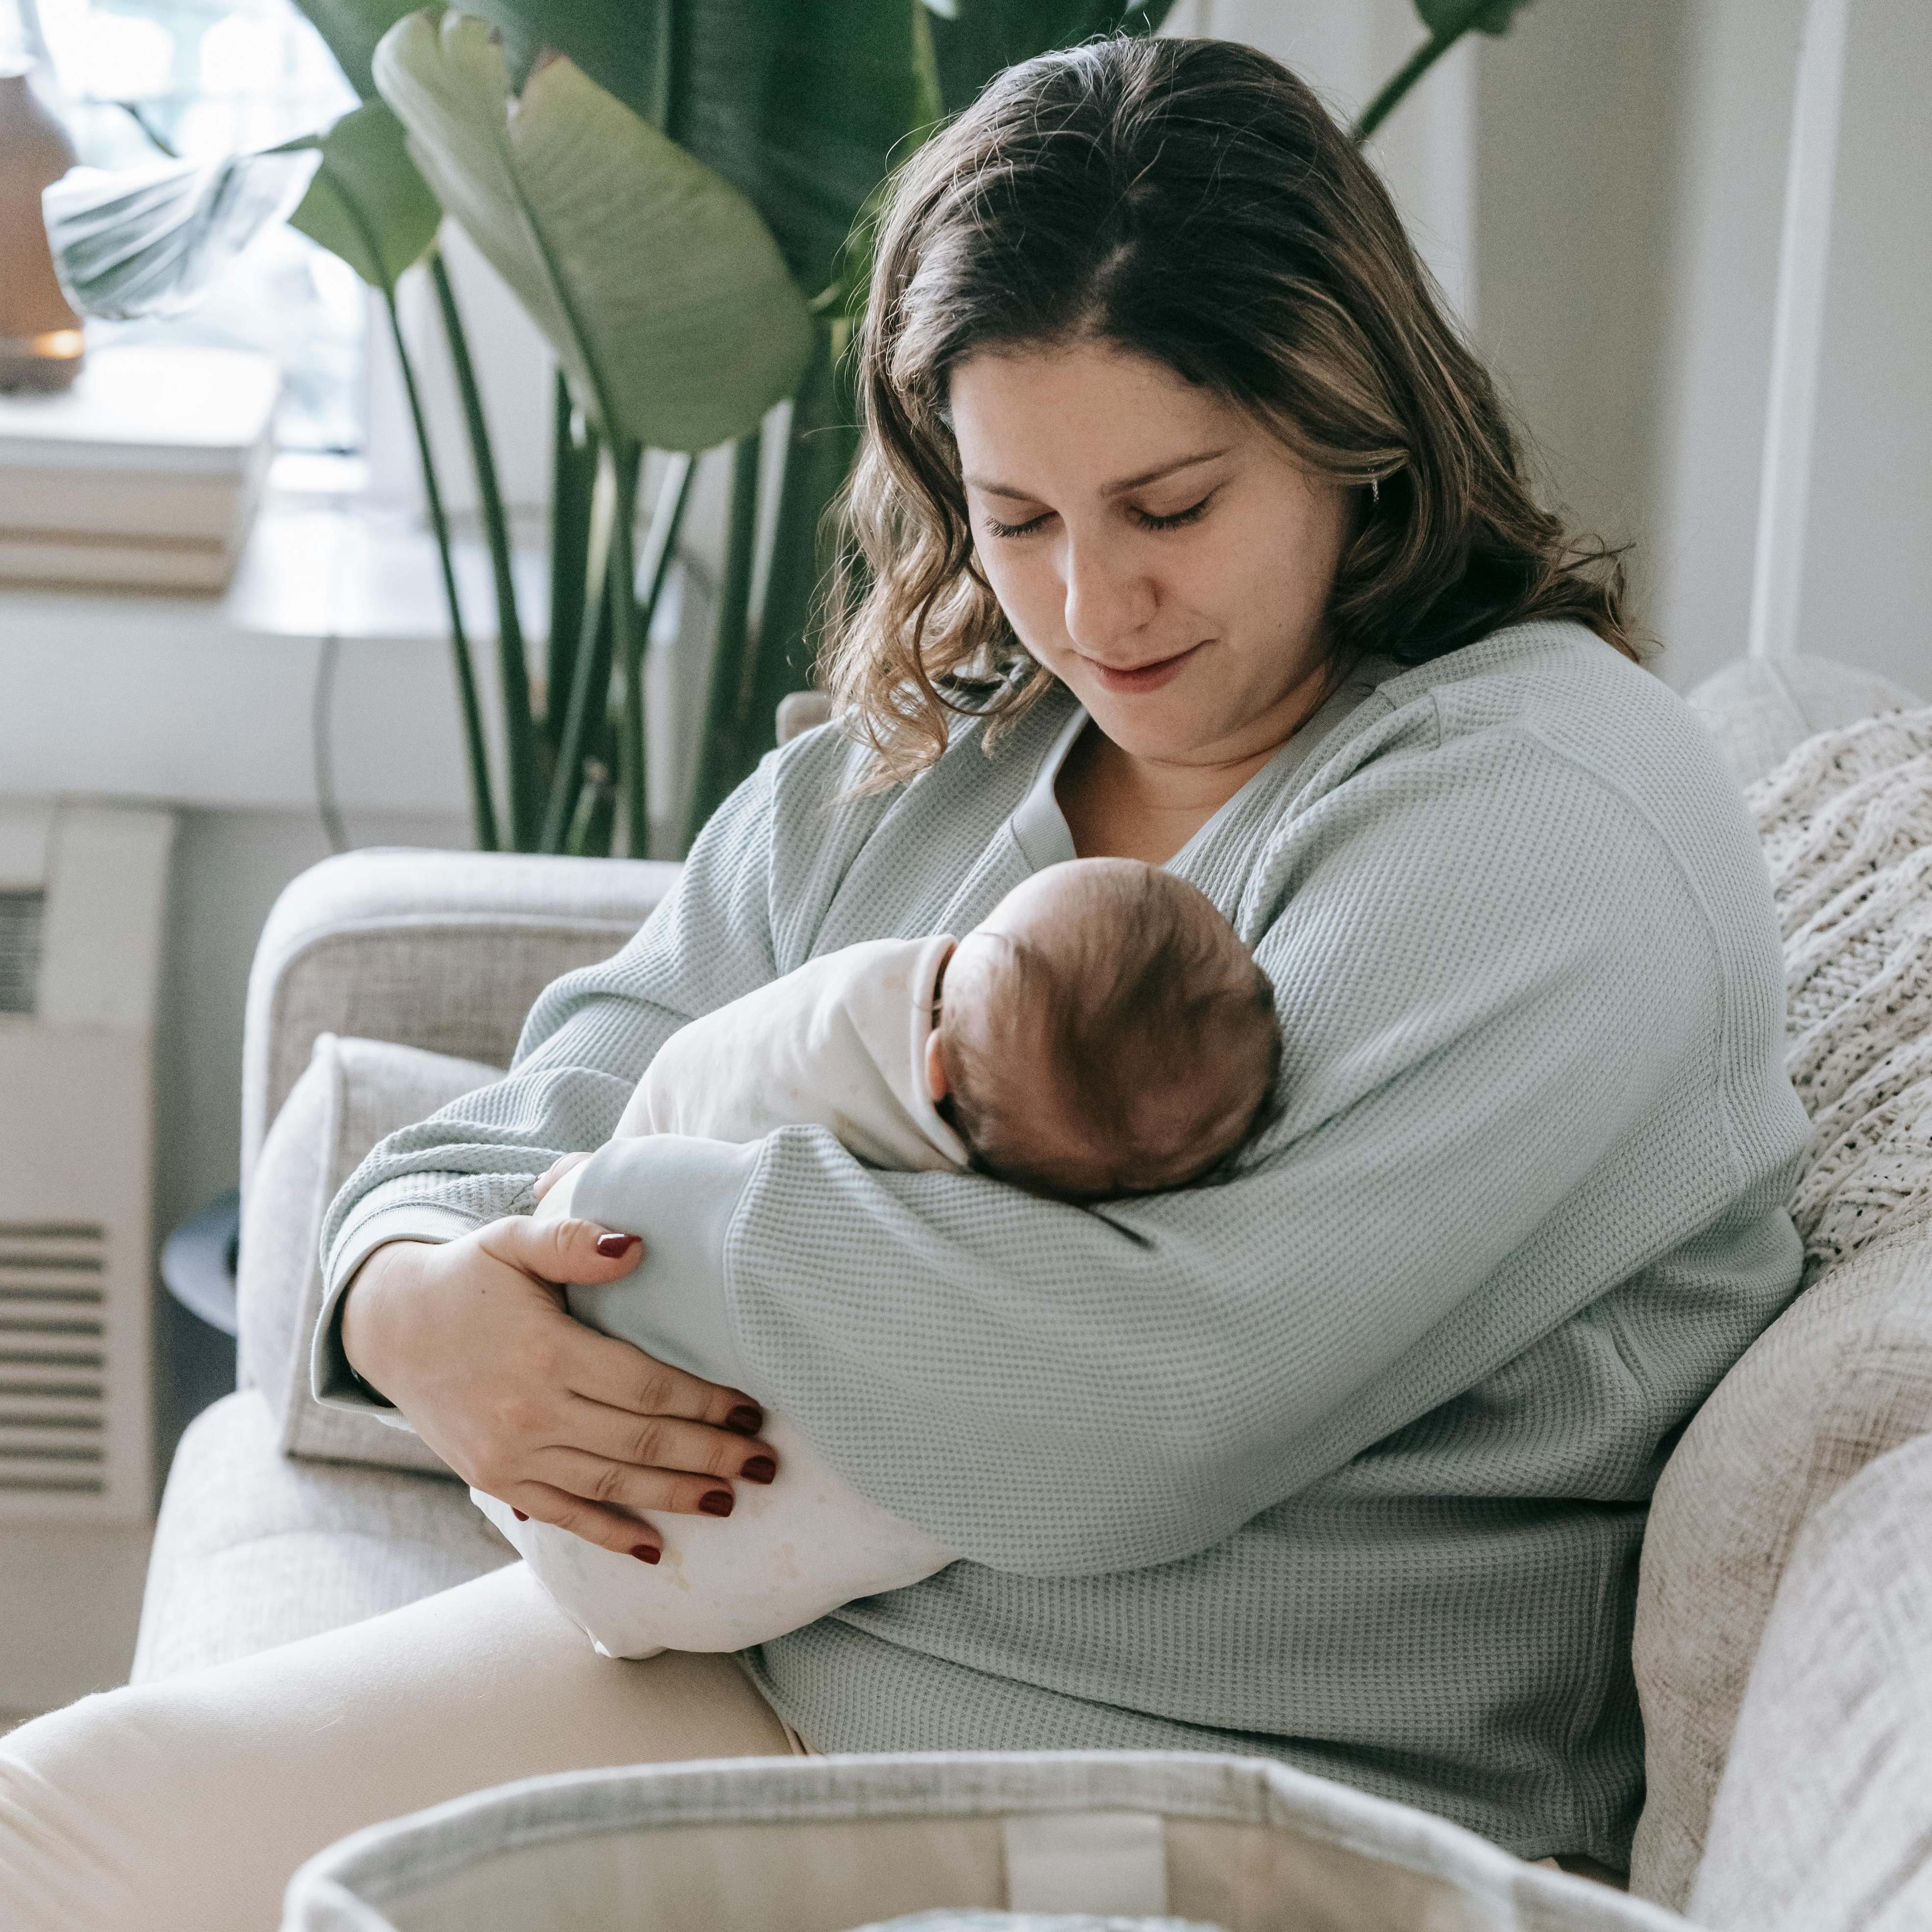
1846, 1374
354, 1092
253, 1549
1821, 1822
1761, 710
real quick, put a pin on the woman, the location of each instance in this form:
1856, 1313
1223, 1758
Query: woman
1197, 536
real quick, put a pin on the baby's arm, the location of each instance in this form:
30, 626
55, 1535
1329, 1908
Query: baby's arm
787, 1556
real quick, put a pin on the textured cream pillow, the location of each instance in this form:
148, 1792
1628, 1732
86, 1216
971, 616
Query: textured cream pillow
1845, 1375
353, 1092
1820, 1824
1842, 1378
1760, 710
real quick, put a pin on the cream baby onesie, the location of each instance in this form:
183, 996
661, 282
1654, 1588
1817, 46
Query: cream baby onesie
840, 1043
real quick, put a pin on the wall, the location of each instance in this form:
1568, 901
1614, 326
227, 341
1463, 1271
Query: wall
1630, 186
1867, 586
1426, 151
1601, 191
1579, 115
1719, 282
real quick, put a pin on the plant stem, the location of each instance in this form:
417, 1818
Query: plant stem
660, 550
669, 94
573, 475
627, 646
721, 753
513, 665
660, 547
482, 808
577, 841
666, 520
819, 453
1404, 78
590, 682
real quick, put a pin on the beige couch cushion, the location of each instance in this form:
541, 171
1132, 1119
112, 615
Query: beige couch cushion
443, 950
354, 1092
1843, 1378
1760, 711
1823, 1823
1845, 1375
252, 1549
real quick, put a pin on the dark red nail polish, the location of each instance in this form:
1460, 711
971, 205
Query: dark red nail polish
616, 1246
759, 1469
644, 1553
717, 1502
747, 1419
518, 1513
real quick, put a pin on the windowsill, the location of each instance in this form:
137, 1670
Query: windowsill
210, 700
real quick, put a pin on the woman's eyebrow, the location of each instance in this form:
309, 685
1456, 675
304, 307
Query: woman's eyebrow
991, 489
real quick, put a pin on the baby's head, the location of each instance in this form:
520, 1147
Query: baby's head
1103, 1032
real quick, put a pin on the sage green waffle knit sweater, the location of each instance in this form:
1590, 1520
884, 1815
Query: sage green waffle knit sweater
1345, 1460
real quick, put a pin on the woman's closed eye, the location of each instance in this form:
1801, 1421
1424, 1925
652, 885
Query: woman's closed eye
1175, 520
994, 528
1147, 520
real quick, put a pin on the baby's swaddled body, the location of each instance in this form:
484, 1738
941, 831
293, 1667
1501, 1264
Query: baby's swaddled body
854, 1042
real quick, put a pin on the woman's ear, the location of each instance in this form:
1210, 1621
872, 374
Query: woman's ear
935, 1068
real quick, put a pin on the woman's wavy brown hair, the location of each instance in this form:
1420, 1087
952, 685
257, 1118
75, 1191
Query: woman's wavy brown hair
1191, 202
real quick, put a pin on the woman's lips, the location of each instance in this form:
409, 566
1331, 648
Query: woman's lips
1147, 676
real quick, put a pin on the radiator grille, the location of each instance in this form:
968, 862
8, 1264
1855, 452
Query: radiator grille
21, 914
53, 1358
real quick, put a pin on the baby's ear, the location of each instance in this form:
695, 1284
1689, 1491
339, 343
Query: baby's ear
935, 1068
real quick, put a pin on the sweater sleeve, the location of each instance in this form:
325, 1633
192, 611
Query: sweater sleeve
1492, 978
585, 1046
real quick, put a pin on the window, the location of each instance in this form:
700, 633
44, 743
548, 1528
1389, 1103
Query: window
136, 79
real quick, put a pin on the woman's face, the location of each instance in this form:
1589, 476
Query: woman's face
1162, 555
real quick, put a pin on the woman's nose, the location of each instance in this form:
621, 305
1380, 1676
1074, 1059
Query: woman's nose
1108, 598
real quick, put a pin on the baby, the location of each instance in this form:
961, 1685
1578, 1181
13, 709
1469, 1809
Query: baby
1103, 1032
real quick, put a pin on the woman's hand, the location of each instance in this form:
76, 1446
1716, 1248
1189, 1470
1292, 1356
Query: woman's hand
471, 1341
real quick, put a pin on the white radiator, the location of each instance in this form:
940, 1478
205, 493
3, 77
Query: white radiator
83, 893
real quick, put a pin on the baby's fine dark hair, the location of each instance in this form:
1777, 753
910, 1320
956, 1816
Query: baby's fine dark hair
1143, 1031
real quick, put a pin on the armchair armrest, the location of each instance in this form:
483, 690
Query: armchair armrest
443, 950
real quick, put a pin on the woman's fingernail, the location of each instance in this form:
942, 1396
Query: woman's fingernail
644, 1553
747, 1419
518, 1513
759, 1469
616, 1246
716, 1502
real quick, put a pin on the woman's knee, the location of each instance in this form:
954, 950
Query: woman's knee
71, 1849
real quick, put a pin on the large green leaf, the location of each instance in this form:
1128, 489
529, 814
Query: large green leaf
657, 284
973, 39
351, 29
367, 202
802, 105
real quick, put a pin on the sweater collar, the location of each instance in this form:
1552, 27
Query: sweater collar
1039, 827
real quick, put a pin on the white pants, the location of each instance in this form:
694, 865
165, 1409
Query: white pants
184, 1806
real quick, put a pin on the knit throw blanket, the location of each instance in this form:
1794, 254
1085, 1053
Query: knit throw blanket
1846, 823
